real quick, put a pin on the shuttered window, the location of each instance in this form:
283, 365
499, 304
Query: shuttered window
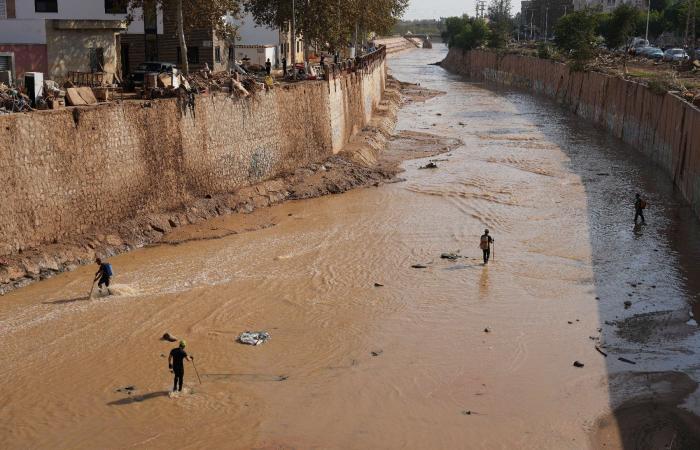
5, 63
3, 9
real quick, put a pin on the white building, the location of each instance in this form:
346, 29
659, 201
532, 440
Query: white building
60, 36
258, 43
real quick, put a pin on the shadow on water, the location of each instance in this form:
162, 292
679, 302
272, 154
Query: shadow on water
84, 298
647, 281
138, 398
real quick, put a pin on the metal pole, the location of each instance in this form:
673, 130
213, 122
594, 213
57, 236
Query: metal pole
294, 40
646, 35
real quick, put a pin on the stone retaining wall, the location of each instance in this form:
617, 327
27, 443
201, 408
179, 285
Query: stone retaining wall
664, 127
72, 171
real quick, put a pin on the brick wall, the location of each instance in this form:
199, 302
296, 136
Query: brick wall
72, 171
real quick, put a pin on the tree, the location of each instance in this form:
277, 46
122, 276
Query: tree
619, 26
331, 22
191, 15
576, 35
465, 32
500, 23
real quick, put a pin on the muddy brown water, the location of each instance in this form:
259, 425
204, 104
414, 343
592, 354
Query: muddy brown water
556, 194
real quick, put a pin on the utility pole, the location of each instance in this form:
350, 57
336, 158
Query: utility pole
294, 40
646, 34
690, 27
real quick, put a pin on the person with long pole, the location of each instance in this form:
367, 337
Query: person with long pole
176, 365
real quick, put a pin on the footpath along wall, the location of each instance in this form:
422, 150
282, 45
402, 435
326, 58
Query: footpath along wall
664, 127
73, 171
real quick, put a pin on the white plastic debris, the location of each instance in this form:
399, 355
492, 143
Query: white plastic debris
254, 337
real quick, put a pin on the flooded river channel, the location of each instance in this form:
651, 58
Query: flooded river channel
455, 355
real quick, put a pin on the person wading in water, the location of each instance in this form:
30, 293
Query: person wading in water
104, 274
639, 206
485, 245
176, 363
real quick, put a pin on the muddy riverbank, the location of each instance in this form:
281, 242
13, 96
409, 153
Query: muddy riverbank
368, 351
360, 164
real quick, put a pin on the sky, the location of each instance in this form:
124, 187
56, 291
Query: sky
434, 9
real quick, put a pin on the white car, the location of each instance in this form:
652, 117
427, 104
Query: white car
675, 54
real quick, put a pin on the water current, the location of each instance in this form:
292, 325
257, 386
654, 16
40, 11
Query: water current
405, 365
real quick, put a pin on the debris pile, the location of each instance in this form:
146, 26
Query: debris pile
13, 100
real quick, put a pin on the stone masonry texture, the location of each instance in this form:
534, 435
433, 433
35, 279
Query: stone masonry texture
73, 171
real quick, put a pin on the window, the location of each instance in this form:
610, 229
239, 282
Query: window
49, 6
115, 6
97, 59
5, 62
3, 9
150, 18
192, 55
217, 54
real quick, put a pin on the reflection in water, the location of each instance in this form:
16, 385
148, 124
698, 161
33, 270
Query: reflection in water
484, 282
394, 366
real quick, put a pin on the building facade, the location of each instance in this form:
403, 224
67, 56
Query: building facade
59, 36
609, 5
256, 42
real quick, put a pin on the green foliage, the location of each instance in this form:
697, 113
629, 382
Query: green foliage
619, 26
465, 32
501, 24
421, 26
576, 34
545, 50
329, 21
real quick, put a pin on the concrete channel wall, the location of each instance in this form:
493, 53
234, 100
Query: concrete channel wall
71, 171
664, 127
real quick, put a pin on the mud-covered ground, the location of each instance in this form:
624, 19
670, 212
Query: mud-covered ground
577, 334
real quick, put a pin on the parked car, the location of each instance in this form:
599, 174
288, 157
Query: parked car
642, 51
637, 44
675, 54
654, 53
137, 77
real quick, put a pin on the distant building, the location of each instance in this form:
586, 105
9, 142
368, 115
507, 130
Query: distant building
261, 42
608, 5
153, 37
59, 36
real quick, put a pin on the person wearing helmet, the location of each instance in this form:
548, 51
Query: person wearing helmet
485, 245
176, 364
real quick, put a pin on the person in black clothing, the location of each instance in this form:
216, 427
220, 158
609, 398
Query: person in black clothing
104, 274
639, 206
485, 245
284, 67
176, 364
336, 58
268, 67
